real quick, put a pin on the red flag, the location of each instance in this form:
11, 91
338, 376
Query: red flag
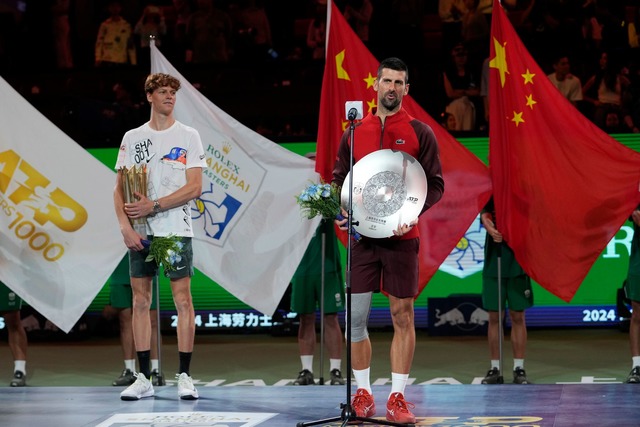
562, 186
349, 73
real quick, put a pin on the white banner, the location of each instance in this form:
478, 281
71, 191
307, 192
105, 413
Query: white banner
249, 233
60, 237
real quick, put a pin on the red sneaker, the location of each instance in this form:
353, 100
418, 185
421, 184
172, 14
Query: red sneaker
363, 404
398, 410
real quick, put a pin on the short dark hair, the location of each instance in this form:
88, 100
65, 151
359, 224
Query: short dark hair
156, 80
396, 64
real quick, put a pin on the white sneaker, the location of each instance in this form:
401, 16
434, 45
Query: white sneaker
142, 387
186, 390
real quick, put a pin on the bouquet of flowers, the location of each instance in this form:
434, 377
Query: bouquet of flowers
165, 251
320, 199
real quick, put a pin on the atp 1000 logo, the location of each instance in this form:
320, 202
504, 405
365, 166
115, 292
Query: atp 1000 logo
30, 205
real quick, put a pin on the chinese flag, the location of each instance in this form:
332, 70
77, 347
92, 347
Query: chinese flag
349, 73
562, 187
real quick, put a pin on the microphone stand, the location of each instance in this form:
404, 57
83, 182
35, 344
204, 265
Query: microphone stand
500, 328
348, 415
322, 281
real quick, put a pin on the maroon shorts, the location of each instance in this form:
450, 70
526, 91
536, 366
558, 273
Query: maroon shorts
388, 265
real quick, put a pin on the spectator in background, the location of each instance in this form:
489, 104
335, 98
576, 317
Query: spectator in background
209, 34
150, 24
451, 13
176, 17
316, 33
358, 15
10, 304
461, 87
605, 90
475, 32
114, 44
448, 121
254, 31
62, 33
568, 84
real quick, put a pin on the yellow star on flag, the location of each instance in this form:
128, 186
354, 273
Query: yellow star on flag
530, 101
371, 104
528, 77
517, 118
340, 71
500, 60
370, 80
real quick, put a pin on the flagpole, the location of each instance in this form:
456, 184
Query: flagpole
155, 281
322, 281
156, 288
500, 328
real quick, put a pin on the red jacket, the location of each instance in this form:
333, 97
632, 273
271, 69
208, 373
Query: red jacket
399, 132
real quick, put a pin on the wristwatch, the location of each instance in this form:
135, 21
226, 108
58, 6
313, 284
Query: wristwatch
156, 206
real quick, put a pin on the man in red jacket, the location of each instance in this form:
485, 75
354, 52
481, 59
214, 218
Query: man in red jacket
391, 262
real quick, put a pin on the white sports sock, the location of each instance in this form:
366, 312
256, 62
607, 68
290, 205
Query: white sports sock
307, 362
362, 378
398, 383
335, 364
130, 364
518, 363
154, 364
495, 363
20, 365
635, 361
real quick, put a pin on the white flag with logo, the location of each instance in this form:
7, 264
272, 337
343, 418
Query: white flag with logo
60, 237
249, 232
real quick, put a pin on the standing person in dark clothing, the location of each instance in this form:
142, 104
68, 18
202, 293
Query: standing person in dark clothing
515, 290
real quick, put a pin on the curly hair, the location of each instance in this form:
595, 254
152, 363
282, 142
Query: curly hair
157, 80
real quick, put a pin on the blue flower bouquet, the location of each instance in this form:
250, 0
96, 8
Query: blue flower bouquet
322, 199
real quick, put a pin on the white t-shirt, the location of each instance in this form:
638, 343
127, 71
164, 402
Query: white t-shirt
168, 154
570, 87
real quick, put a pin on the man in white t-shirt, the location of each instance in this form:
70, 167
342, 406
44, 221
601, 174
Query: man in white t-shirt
568, 84
174, 158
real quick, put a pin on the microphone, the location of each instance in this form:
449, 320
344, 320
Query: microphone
353, 110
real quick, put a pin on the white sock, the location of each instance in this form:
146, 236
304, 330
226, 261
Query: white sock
154, 364
307, 362
130, 364
635, 361
518, 363
20, 365
398, 383
495, 363
362, 378
335, 364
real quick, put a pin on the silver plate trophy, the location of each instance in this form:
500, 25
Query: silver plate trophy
389, 189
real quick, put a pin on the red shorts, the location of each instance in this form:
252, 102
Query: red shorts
388, 265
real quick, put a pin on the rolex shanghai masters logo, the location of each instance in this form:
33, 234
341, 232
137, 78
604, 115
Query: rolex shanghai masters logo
467, 257
230, 182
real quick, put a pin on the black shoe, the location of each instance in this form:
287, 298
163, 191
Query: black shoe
336, 377
18, 380
634, 376
492, 376
125, 378
305, 377
520, 376
157, 379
